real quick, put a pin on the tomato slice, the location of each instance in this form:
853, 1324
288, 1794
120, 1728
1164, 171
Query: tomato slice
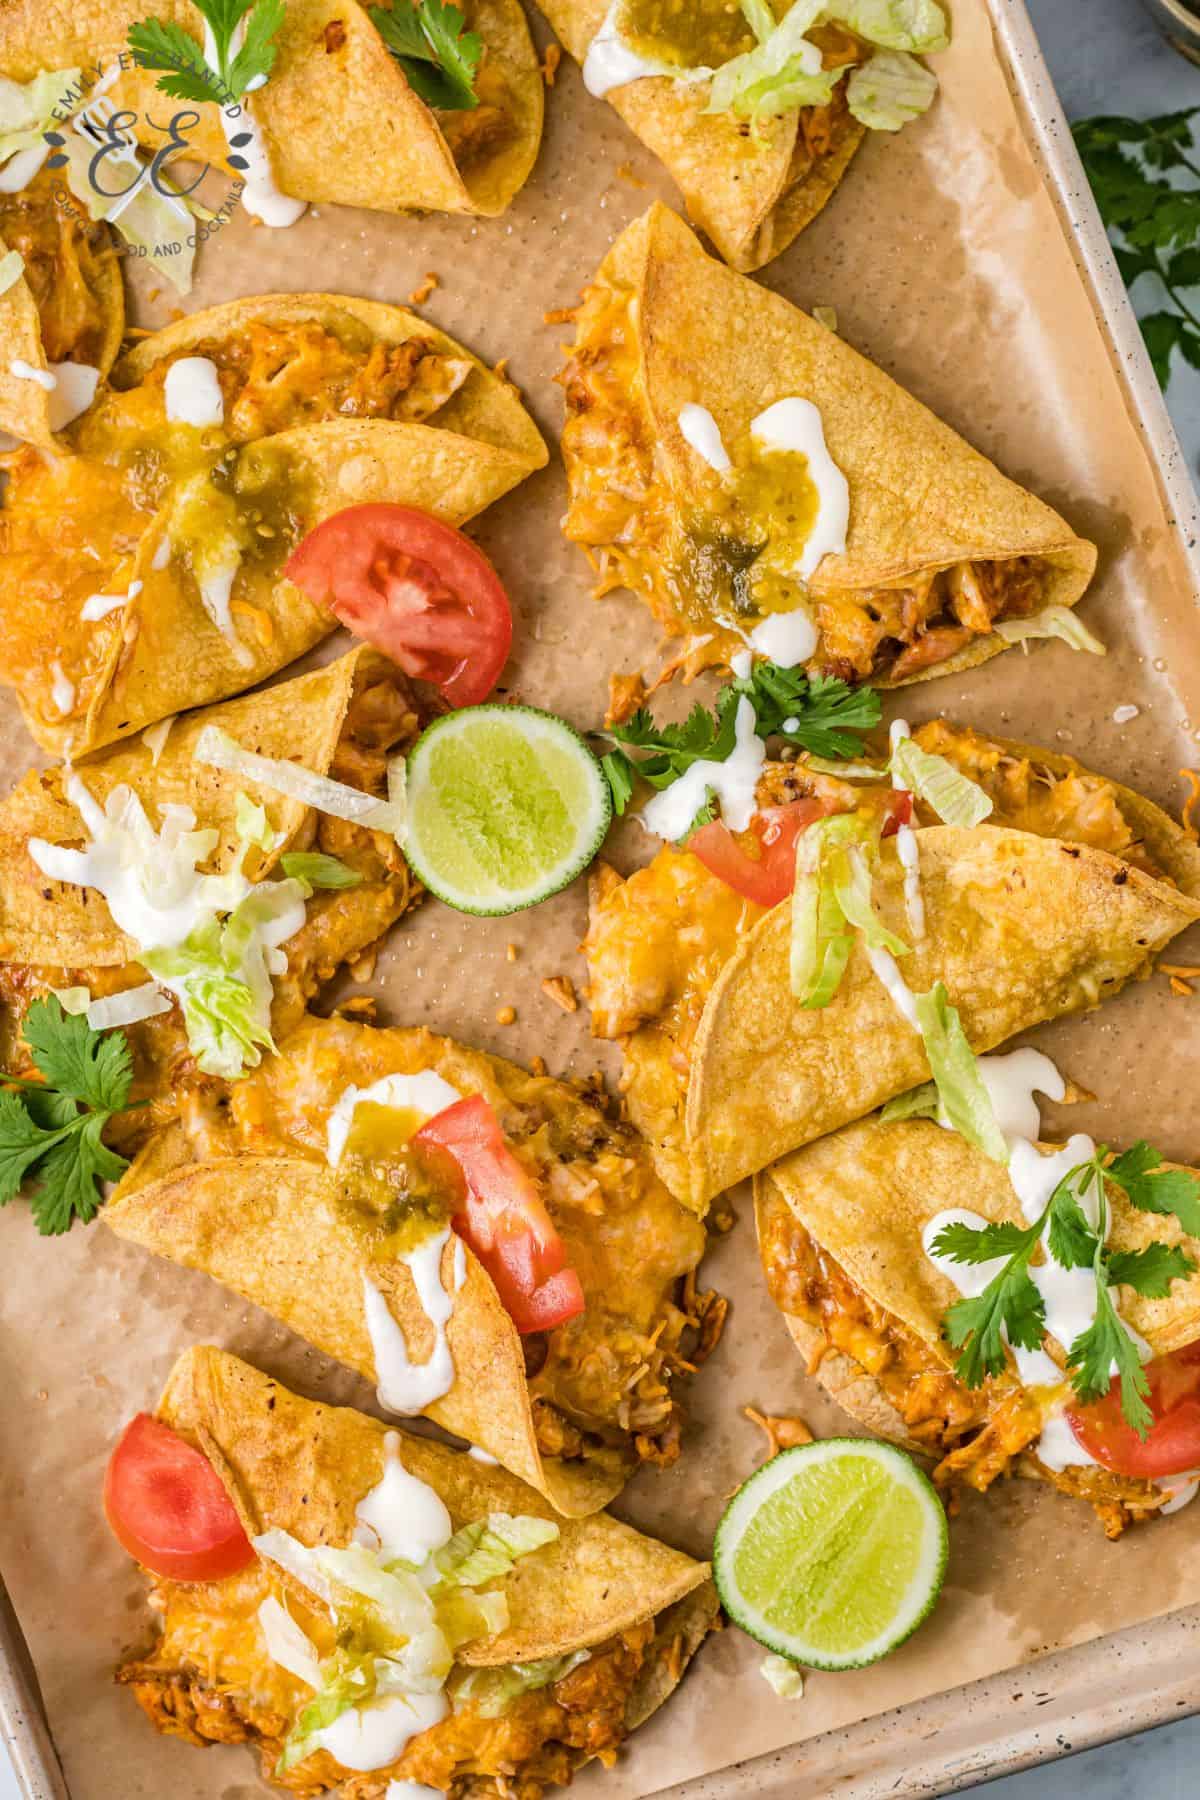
416, 589
1173, 1442
759, 864
503, 1217
166, 1504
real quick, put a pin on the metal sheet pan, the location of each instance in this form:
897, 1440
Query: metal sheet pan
1068, 1700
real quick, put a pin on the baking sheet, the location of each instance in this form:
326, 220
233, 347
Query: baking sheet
945, 260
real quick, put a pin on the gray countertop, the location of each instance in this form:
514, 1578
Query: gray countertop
1106, 56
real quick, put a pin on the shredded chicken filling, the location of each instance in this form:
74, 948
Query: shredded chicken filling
66, 258
977, 1434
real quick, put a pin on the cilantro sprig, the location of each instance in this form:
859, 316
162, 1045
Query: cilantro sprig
50, 1131
1011, 1308
439, 57
187, 73
1136, 168
820, 712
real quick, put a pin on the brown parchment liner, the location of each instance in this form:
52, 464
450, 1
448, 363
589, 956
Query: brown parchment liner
945, 260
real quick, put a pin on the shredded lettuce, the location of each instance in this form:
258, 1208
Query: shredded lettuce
916, 25
918, 1103
157, 226
27, 109
216, 748
319, 870
12, 267
890, 91
287, 1644
783, 73
830, 902
463, 1615
954, 798
491, 1547
1052, 622
252, 825
492, 1691
964, 1100
852, 887
350, 1684
221, 976
849, 771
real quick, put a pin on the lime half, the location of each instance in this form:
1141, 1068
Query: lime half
505, 806
832, 1553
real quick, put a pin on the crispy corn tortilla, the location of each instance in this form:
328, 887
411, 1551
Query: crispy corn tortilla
738, 186
340, 122
295, 1465
1020, 928
865, 1194
24, 403
272, 1222
921, 499
162, 651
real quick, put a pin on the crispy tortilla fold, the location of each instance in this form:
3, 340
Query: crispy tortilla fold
939, 544
662, 945
295, 1465
862, 1197
342, 720
258, 1208
1019, 928
339, 120
329, 403
752, 192
67, 304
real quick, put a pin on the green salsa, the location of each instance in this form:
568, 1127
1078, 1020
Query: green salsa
688, 34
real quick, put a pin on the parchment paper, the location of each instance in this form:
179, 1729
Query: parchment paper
945, 261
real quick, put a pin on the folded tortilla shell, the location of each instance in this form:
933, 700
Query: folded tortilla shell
340, 122
51, 922
295, 1465
865, 1194
272, 1227
162, 651
1020, 928
921, 498
737, 185
24, 403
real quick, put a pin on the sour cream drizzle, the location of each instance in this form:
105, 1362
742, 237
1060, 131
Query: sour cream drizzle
260, 196
401, 1516
98, 606
795, 425
611, 62
424, 1092
733, 782
25, 371
702, 432
376, 1735
192, 392
62, 690
75, 385
406, 1387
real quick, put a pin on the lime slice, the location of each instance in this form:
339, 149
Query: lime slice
832, 1553
505, 806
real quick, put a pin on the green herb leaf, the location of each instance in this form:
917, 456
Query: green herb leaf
1070, 1239
1009, 1306
829, 716
188, 75
620, 772
439, 57
1091, 1357
158, 44
977, 1244
1148, 1272
256, 58
44, 1135
1152, 1188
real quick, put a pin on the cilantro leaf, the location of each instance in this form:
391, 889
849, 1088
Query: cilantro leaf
44, 1136
825, 716
187, 72
1010, 1309
159, 44
1152, 1188
92, 1067
1148, 1272
980, 1244
620, 772
1091, 1358
1070, 1239
706, 812
439, 57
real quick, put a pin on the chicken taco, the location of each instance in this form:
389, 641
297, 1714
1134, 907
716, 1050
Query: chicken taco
766, 490
487, 1245
146, 572
364, 1607
757, 110
195, 908
890, 1244
449, 107
62, 310
1052, 888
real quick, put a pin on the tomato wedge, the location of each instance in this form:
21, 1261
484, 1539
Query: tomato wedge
503, 1218
166, 1504
1172, 1444
760, 864
416, 589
